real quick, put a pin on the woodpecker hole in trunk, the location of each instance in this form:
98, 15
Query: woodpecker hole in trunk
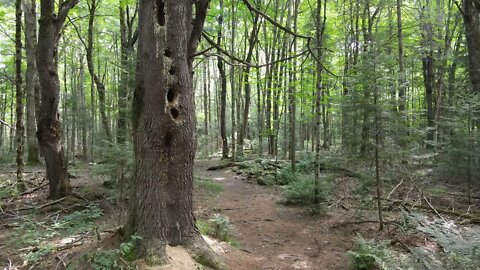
161, 12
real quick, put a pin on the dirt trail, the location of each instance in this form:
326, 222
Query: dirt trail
271, 235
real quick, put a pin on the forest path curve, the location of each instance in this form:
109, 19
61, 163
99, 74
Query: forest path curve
271, 235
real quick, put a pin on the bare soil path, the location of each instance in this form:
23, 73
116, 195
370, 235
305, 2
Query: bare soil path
272, 235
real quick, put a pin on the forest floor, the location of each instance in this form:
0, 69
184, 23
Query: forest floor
264, 233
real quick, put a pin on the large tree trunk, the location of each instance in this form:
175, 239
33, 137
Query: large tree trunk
49, 128
31, 75
161, 209
471, 17
19, 132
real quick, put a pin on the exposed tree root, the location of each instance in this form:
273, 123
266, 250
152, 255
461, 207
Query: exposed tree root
204, 254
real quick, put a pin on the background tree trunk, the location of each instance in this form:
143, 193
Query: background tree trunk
49, 128
30, 78
19, 127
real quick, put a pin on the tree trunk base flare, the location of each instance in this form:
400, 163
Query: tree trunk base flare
49, 140
154, 252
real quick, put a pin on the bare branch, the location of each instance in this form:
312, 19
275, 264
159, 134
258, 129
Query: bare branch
272, 21
201, 7
64, 9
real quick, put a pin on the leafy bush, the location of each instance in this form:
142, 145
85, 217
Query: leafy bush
367, 255
285, 176
301, 190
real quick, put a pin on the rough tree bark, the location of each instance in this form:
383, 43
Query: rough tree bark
49, 128
161, 210
19, 127
471, 18
127, 37
30, 9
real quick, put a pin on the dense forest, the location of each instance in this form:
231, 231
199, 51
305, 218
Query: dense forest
240, 134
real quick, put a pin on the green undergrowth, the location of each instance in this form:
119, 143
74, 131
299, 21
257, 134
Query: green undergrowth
121, 258
218, 227
368, 255
7, 188
208, 185
34, 235
301, 190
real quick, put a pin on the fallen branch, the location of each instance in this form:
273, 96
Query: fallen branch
222, 166
33, 190
393, 190
42, 206
357, 222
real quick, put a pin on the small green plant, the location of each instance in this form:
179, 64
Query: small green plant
301, 191
367, 255
218, 227
120, 258
221, 227
117, 163
79, 220
285, 176
7, 188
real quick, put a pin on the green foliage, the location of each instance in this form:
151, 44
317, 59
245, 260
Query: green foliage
120, 258
209, 185
117, 163
79, 220
301, 190
218, 227
367, 255
285, 176
221, 227
7, 188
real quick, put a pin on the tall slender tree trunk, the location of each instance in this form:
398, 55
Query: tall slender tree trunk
83, 109
30, 8
93, 5
19, 127
471, 18
49, 127
223, 85
252, 40
127, 39
233, 91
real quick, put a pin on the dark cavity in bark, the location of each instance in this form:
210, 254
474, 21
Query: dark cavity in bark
161, 12
175, 112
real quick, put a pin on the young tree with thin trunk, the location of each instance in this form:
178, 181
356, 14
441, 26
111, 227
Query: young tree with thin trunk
49, 128
163, 120
223, 86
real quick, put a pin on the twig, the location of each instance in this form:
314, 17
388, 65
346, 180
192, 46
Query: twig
393, 190
42, 206
33, 190
358, 222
